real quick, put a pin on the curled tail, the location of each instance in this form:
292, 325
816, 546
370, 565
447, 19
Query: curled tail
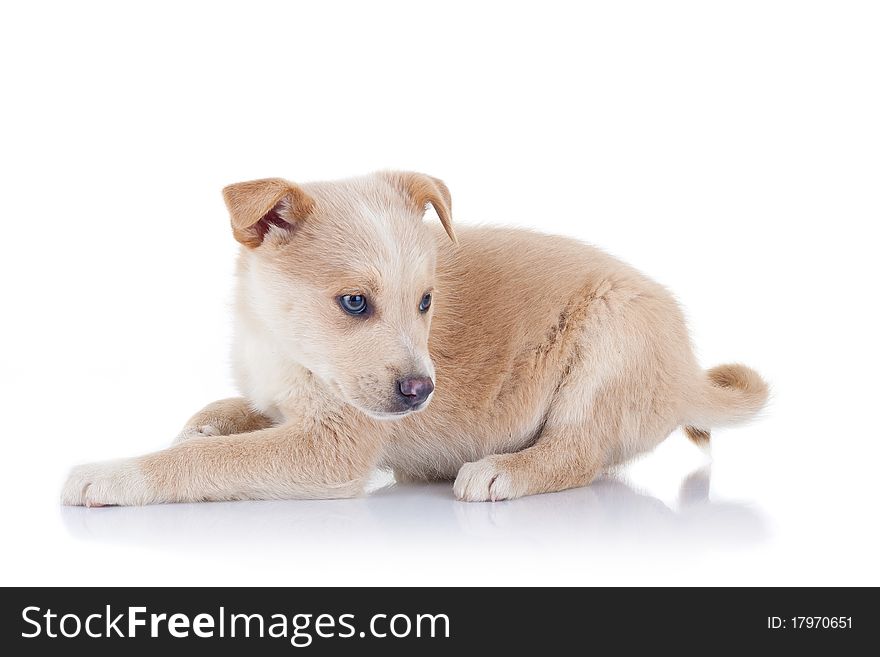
729, 394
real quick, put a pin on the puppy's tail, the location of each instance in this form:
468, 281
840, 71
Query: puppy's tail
729, 394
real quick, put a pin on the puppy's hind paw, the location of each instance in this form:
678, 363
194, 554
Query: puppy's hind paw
486, 480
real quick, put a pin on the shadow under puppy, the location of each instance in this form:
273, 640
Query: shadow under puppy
512, 362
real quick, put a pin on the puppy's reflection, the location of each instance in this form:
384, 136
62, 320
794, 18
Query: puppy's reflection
608, 512
612, 512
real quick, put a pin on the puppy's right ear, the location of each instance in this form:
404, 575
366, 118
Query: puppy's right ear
257, 205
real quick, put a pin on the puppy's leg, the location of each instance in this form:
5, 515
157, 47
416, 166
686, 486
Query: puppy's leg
281, 462
224, 418
563, 457
568, 452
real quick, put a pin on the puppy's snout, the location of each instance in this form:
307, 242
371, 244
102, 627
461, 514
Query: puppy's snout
415, 390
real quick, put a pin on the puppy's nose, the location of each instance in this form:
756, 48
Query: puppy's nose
415, 390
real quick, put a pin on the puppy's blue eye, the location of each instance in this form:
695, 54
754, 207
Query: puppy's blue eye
425, 303
353, 304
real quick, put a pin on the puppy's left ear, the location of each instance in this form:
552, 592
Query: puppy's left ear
257, 205
422, 189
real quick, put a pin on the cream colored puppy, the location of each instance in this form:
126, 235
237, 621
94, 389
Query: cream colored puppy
512, 362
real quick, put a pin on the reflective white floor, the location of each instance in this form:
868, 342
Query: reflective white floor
419, 534
755, 512
608, 513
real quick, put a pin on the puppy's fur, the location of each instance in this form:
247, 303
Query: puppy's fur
552, 361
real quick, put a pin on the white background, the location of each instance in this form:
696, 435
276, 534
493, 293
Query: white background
729, 150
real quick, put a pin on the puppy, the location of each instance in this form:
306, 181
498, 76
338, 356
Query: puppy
512, 362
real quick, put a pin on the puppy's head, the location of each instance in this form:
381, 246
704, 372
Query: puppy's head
342, 275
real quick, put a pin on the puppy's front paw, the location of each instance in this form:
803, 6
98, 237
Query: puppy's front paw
116, 483
486, 480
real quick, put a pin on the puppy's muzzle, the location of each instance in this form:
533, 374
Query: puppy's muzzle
413, 391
